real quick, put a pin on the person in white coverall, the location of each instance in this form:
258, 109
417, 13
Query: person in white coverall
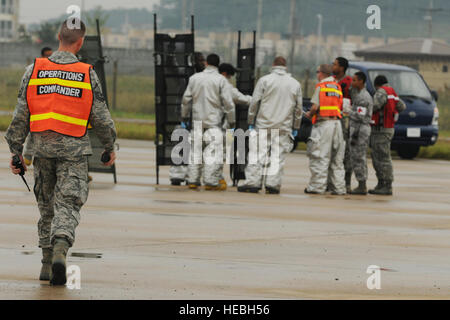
208, 95
178, 173
276, 109
326, 145
228, 71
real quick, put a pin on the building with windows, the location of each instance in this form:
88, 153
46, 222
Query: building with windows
431, 57
9, 20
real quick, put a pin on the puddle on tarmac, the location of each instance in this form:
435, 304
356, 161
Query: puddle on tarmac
86, 255
197, 202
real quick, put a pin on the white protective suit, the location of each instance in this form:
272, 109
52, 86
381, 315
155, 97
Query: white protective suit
326, 150
277, 104
209, 97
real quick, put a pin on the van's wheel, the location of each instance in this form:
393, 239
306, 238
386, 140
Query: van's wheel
408, 152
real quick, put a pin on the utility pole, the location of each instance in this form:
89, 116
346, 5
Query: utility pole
429, 17
258, 21
292, 23
183, 14
192, 7
319, 35
114, 102
82, 8
258, 38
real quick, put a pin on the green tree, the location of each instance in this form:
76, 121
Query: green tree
91, 19
24, 36
48, 31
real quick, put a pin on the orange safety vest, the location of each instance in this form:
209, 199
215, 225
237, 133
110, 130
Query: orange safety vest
330, 100
59, 97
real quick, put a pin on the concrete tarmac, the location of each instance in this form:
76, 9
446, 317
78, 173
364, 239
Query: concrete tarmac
139, 240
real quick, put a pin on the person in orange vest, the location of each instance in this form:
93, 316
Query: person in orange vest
28, 149
326, 145
340, 66
386, 106
59, 96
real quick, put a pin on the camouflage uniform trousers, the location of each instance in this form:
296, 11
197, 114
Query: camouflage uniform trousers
206, 162
61, 189
270, 162
325, 149
358, 150
380, 143
345, 122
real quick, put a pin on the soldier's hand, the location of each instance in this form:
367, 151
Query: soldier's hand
112, 160
13, 168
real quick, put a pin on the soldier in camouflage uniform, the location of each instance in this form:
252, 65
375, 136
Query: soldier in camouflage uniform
60, 162
380, 138
360, 115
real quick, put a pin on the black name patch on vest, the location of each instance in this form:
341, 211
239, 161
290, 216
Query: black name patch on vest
64, 75
56, 88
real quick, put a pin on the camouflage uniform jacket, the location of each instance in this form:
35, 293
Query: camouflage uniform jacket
362, 105
50, 144
379, 101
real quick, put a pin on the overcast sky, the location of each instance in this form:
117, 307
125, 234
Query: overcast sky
34, 11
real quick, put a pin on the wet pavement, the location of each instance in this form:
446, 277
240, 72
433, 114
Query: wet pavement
138, 240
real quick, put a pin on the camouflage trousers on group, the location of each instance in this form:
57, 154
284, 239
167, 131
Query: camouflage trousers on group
61, 189
269, 162
380, 143
358, 150
206, 163
325, 149
345, 123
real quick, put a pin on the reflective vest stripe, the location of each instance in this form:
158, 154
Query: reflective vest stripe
329, 105
331, 90
391, 96
61, 82
58, 116
330, 108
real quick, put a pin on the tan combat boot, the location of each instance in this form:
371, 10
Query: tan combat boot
46, 269
222, 184
60, 249
193, 186
213, 188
